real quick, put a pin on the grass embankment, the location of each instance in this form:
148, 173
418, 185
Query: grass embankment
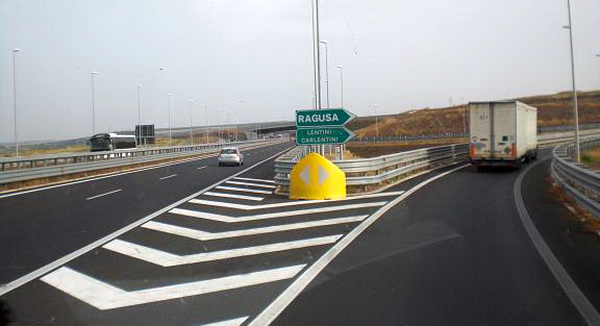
591, 158
373, 149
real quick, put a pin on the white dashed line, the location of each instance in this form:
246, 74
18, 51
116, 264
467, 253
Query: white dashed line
167, 177
104, 194
201, 167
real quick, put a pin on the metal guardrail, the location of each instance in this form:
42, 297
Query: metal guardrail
56, 165
377, 170
580, 182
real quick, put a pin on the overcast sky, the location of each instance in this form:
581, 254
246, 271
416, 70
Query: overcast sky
251, 60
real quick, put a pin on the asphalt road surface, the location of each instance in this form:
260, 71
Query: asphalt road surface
444, 248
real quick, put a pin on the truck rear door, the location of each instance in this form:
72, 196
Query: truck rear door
480, 126
492, 127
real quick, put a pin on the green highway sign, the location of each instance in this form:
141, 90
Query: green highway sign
322, 118
322, 136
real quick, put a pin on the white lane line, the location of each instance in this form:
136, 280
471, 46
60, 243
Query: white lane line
167, 177
201, 167
577, 297
234, 196
252, 179
202, 156
104, 194
240, 183
252, 191
64, 259
105, 296
287, 204
205, 236
276, 307
248, 218
166, 259
184, 161
230, 322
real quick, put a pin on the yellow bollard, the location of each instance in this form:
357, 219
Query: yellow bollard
315, 177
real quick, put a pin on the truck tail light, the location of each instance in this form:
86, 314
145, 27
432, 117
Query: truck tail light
513, 150
472, 150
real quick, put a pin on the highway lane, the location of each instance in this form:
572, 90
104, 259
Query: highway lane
39, 227
442, 255
207, 259
454, 253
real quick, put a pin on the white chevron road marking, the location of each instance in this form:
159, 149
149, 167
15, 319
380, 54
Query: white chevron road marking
248, 190
257, 180
288, 204
165, 259
229, 322
240, 183
105, 296
205, 236
225, 195
249, 218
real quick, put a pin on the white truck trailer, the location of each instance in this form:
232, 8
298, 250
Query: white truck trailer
502, 133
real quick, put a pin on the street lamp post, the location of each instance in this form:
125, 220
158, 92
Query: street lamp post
324, 42
139, 135
341, 84
170, 131
191, 131
575, 107
376, 123
93, 104
14, 51
206, 118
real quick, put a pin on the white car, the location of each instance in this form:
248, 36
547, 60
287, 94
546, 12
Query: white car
231, 155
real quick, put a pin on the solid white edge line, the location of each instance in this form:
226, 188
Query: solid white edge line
229, 322
577, 297
268, 315
104, 194
167, 177
57, 263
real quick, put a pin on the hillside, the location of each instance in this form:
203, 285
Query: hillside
553, 110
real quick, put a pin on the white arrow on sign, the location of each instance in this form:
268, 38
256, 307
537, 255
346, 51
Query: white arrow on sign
323, 175
105, 296
305, 175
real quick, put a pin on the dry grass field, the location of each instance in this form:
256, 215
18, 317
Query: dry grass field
553, 110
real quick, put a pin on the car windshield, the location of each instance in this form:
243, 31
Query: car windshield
228, 151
